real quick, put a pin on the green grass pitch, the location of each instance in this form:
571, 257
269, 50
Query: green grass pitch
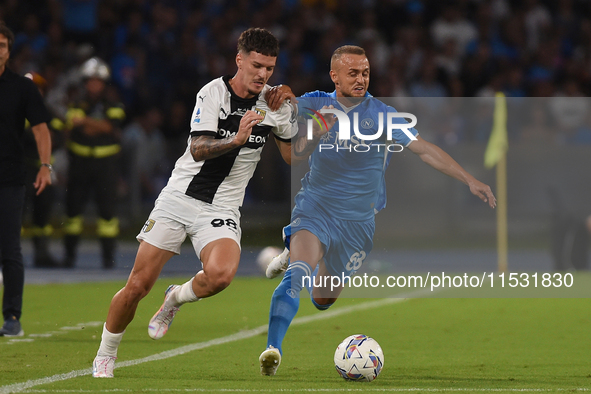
430, 345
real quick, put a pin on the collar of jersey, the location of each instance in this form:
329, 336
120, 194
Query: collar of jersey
334, 94
226, 80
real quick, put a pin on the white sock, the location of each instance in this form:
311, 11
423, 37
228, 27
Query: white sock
284, 253
185, 293
109, 343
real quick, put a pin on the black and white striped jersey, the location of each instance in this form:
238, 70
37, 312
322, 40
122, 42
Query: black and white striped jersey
218, 111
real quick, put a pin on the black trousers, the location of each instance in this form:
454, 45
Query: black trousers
12, 199
92, 177
40, 205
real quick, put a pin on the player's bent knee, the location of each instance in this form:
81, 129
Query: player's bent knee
136, 290
322, 304
218, 281
222, 282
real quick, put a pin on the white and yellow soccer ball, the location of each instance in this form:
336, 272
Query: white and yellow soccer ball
266, 255
359, 358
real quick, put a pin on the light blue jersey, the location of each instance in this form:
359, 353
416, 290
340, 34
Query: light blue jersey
337, 203
345, 186
347, 180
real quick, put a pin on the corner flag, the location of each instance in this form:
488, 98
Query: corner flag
497, 144
496, 155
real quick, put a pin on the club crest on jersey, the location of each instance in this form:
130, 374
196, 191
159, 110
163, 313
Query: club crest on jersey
197, 118
261, 112
149, 225
367, 123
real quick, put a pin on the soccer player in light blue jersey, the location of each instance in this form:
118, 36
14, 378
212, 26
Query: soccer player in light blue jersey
333, 221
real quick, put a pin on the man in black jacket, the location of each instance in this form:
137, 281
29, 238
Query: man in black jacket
20, 99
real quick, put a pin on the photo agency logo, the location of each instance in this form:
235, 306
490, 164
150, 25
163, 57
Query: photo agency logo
358, 142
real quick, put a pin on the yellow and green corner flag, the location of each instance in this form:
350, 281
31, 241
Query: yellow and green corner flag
497, 144
496, 155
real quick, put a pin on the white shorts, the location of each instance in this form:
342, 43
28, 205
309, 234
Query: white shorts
176, 215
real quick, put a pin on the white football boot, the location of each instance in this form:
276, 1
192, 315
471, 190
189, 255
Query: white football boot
270, 360
162, 320
102, 366
278, 265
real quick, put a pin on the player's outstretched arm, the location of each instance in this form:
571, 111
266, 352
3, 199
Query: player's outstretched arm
441, 161
205, 147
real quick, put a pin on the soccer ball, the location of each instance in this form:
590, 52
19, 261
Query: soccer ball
266, 255
359, 358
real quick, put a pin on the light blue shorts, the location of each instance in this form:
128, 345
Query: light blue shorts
346, 243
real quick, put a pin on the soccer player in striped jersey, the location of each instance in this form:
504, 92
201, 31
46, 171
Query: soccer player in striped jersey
229, 126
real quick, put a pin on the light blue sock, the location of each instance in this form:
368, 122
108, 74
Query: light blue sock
286, 302
308, 284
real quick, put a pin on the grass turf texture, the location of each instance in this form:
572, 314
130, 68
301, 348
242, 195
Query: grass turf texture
429, 344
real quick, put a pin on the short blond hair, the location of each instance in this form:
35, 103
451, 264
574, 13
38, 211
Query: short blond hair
345, 50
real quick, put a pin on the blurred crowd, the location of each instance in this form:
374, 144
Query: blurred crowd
162, 51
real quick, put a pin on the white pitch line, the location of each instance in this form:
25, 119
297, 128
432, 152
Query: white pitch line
365, 389
63, 330
17, 387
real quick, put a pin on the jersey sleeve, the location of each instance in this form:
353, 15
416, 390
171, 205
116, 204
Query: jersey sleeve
286, 125
206, 112
35, 110
397, 134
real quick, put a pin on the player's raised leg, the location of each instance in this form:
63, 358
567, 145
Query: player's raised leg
220, 262
162, 319
278, 264
148, 264
306, 251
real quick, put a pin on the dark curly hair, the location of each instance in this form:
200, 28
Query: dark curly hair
6, 32
258, 40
